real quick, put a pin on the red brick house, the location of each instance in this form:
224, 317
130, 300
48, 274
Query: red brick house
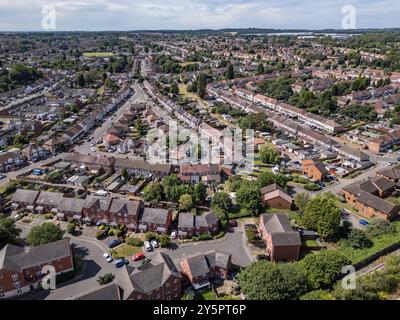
96, 209
314, 169
155, 219
23, 198
206, 223
201, 268
125, 212
21, 268
273, 196
282, 242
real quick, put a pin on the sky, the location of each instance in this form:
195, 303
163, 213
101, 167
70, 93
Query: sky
98, 15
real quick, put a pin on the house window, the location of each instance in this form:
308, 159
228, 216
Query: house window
168, 297
17, 285
167, 291
39, 273
14, 277
19, 291
38, 267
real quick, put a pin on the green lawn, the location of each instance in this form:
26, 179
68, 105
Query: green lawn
126, 250
205, 295
379, 243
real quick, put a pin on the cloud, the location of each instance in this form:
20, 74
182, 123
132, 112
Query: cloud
195, 14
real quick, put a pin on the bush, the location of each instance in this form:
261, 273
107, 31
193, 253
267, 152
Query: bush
251, 235
135, 242
358, 239
379, 227
48, 216
110, 232
312, 186
117, 232
107, 278
204, 237
71, 228
151, 236
164, 241
101, 235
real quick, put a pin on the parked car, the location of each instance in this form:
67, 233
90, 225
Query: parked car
363, 222
2, 176
108, 257
262, 257
154, 243
121, 262
139, 256
114, 243
233, 223
174, 234
147, 246
19, 216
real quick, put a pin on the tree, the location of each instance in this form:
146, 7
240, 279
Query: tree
301, 200
80, 81
317, 295
151, 236
185, 202
104, 279
269, 155
154, 193
221, 201
264, 280
174, 88
201, 85
378, 226
249, 198
260, 69
125, 174
8, 232
46, 233
230, 73
71, 228
267, 178
164, 240
323, 215
357, 239
324, 268
199, 192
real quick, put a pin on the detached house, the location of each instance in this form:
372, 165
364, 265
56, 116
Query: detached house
314, 169
21, 268
273, 196
201, 268
10, 161
206, 223
282, 242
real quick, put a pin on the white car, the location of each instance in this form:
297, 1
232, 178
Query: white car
154, 243
94, 149
147, 246
108, 257
173, 234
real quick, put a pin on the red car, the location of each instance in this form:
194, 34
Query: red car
138, 256
233, 223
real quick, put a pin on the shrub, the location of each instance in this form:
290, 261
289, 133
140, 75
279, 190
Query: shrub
251, 235
151, 236
48, 216
358, 239
71, 228
164, 241
111, 232
100, 235
107, 278
312, 186
205, 236
136, 242
379, 227
117, 232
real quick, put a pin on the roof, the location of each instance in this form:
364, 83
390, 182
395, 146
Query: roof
17, 258
154, 215
151, 276
200, 264
377, 203
25, 196
186, 220
129, 207
71, 205
99, 203
278, 226
143, 165
205, 220
49, 198
110, 291
372, 186
391, 172
90, 160
273, 191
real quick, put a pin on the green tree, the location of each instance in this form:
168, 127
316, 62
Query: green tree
165, 240
267, 178
201, 85
264, 280
185, 202
357, 239
301, 200
323, 215
249, 198
125, 174
104, 279
151, 236
221, 201
269, 155
199, 192
324, 268
71, 228
260, 69
9, 233
80, 80
153, 193
174, 88
230, 73
44, 234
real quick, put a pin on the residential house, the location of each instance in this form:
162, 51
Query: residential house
155, 219
201, 268
47, 201
21, 268
143, 168
11, 160
282, 242
96, 209
206, 223
273, 196
125, 212
70, 208
22, 199
314, 169
92, 162
200, 173
185, 225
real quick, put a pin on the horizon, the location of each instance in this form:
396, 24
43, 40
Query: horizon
190, 15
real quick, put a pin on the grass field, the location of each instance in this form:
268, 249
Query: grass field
126, 250
98, 54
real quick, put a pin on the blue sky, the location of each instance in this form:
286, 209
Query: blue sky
25, 15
